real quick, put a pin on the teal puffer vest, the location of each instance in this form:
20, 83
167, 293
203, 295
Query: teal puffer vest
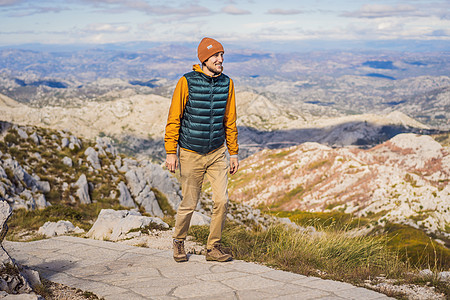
202, 127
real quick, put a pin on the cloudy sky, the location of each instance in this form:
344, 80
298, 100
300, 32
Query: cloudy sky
235, 21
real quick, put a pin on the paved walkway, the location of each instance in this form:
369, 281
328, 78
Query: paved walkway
117, 271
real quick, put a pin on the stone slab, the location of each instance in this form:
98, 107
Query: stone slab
119, 271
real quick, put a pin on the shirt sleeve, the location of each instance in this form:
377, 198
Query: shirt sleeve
179, 100
231, 133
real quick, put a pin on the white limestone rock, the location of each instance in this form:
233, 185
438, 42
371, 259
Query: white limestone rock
43, 186
137, 183
166, 183
118, 162
116, 224
67, 161
74, 142
50, 229
92, 157
147, 200
200, 219
3, 173
125, 198
22, 133
22, 176
5, 213
65, 142
41, 202
140, 188
83, 190
36, 138
30, 201
106, 144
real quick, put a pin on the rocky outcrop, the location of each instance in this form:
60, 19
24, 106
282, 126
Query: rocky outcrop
92, 158
122, 224
81, 172
18, 188
142, 177
125, 198
50, 229
83, 190
14, 278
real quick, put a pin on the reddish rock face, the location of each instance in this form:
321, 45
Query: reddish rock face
403, 178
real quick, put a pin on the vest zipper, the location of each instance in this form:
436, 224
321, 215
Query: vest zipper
211, 120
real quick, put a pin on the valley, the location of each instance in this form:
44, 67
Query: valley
319, 132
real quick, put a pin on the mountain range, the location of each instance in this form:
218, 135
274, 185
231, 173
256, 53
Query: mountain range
405, 180
313, 84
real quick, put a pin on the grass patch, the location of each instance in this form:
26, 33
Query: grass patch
150, 227
339, 255
163, 202
318, 164
280, 154
334, 220
294, 193
409, 178
12, 137
415, 247
443, 139
412, 245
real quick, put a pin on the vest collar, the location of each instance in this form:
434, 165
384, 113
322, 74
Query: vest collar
198, 68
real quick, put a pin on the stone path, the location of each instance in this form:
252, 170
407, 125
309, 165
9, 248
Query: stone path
117, 271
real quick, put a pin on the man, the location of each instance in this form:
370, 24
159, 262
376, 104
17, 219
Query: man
202, 117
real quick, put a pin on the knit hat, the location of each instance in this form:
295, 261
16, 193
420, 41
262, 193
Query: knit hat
207, 48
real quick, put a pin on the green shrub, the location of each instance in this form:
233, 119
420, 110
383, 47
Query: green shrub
12, 137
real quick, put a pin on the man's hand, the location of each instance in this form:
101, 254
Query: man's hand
172, 162
234, 165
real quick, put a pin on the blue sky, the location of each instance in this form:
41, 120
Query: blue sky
235, 21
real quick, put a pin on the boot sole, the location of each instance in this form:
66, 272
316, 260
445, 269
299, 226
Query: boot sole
180, 259
219, 260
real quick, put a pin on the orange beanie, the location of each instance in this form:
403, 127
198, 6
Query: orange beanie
207, 48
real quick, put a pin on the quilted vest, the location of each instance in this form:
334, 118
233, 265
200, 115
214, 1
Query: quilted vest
202, 127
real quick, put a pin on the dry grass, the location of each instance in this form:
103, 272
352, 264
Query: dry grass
332, 254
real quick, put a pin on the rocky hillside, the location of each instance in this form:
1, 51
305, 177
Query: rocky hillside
40, 167
405, 179
137, 122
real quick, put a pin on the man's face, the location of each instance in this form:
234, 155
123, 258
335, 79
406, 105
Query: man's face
214, 63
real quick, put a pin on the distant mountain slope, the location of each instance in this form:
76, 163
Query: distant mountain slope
321, 83
405, 179
138, 122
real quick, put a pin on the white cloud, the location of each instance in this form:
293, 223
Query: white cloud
10, 2
278, 11
107, 28
384, 11
272, 24
120, 6
233, 10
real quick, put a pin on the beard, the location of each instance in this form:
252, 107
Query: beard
216, 70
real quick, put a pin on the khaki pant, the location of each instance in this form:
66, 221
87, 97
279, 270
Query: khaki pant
193, 167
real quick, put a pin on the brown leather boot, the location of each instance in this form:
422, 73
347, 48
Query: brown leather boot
179, 255
217, 254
